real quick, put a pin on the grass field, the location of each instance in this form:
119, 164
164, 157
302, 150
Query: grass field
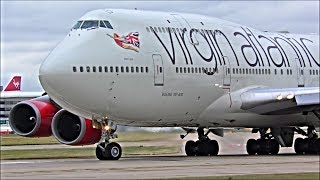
82, 152
13, 140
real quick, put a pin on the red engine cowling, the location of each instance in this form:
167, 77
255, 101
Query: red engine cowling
71, 129
33, 118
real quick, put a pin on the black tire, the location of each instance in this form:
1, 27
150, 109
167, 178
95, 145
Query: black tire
213, 147
312, 146
252, 147
274, 147
113, 151
261, 144
203, 148
100, 154
299, 146
190, 148
318, 145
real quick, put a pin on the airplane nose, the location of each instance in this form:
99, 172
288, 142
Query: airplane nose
52, 69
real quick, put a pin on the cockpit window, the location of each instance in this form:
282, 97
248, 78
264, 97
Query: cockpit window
108, 24
89, 24
77, 25
102, 24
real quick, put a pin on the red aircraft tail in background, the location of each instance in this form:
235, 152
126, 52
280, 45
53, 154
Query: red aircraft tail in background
14, 84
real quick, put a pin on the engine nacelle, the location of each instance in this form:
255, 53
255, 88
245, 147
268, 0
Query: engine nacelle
33, 118
71, 129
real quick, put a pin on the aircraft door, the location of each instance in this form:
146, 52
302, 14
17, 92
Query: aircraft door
226, 72
158, 70
300, 73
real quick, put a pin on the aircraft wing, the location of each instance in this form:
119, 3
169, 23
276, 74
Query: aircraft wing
270, 101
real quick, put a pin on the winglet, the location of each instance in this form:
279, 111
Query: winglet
14, 84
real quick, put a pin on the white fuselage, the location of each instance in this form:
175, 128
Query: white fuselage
170, 91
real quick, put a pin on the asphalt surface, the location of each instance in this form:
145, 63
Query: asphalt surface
232, 160
149, 167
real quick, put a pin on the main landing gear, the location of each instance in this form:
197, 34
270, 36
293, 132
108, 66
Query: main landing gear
263, 146
309, 145
203, 147
108, 150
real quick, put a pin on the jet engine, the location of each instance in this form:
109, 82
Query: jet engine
71, 129
33, 117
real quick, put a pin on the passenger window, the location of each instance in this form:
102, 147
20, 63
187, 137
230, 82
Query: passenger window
81, 69
262, 71
275, 71
249, 71
281, 71
117, 69
74, 69
160, 69
159, 29
121, 68
188, 69
111, 69
163, 29
316, 72
259, 71
141, 69
88, 69
106, 69
196, 70
256, 71
252, 71
233, 71
301, 71
269, 71
147, 29
132, 69
147, 70
107, 23
192, 70
200, 70
228, 70
310, 72
185, 70
127, 69
180, 69
236, 70
287, 71
155, 29
89, 24
100, 69
77, 25
239, 70
137, 69
177, 70
313, 72
94, 69
102, 24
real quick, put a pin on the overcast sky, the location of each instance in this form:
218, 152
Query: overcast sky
29, 30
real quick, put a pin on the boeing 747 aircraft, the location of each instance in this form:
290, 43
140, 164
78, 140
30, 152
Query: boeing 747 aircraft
159, 69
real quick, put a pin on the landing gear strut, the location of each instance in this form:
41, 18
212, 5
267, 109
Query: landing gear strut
263, 146
309, 145
106, 150
203, 147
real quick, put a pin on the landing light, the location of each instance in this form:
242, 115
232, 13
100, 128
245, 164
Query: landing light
106, 128
290, 96
216, 84
279, 97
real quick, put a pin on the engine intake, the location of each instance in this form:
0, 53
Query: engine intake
33, 118
71, 129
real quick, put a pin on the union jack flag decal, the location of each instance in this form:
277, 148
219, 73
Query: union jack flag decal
130, 41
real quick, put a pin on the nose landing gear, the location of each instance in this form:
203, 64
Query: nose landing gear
106, 150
